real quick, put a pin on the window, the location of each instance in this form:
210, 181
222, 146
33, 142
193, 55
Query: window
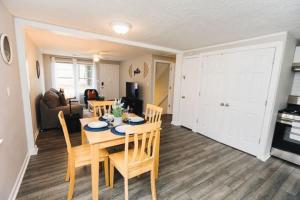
64, 78
85, 77
73, 77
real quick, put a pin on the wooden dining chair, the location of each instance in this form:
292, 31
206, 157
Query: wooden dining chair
141, 158
79, 156
102, 108
153, 113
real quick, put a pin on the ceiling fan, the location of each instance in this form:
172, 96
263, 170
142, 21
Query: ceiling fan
98, 55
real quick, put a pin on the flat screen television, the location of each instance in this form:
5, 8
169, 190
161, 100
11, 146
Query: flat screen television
132, 90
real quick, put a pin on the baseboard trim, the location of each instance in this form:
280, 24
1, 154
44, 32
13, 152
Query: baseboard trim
34, 151
176, 123
16, 187
264, 158
36, 134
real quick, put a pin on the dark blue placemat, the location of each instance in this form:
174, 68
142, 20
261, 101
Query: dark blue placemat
135, 123
114, 131
87, 128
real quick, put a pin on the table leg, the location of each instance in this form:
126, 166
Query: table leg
95, 171
157, 158
83, 136
94, 111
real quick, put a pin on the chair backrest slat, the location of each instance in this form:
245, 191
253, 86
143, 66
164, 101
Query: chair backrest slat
144, 143
150, 142
136, 147
62, 121
153, 113
103, 107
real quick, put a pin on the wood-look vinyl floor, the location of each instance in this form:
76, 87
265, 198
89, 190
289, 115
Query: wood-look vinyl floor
191, 167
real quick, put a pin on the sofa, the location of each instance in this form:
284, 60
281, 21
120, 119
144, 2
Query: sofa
51, 103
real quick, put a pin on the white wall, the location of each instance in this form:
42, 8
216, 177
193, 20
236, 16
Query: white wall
37, 85
13, 150
283, 87
47, 71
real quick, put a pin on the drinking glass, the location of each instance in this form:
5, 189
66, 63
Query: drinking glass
110, 118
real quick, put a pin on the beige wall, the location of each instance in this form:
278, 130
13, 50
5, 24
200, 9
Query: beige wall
12, 130
37, 85
47, 71
144, 83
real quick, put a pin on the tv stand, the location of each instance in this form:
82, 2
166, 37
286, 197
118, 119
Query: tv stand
135, 105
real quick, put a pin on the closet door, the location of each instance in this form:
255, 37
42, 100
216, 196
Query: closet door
248, 84
190, 67
212, 92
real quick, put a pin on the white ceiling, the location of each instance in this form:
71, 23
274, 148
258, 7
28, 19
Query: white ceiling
55, 43
179, 24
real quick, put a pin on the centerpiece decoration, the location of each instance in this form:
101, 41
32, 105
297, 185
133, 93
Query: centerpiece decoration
117, 111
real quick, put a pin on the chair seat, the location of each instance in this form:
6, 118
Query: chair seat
82, 155
118, 160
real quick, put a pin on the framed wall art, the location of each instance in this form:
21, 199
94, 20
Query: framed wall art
5, 48
38, 70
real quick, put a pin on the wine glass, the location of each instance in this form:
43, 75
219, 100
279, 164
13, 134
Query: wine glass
110, 118
126, 113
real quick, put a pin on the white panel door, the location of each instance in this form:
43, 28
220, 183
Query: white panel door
109, 81
248, 84
233, 94
212, 92
190, 67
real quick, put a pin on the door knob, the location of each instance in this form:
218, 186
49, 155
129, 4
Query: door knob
226, 104
183, 97
221, 104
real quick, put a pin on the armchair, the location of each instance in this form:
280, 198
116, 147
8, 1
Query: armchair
91, 94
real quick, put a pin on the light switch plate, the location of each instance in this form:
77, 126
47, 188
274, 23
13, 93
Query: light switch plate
8, 91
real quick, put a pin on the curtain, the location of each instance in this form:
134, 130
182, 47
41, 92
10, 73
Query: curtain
53, 72
95, 71
76, 78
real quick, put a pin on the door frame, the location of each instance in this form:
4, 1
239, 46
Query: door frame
20, 26
171, 73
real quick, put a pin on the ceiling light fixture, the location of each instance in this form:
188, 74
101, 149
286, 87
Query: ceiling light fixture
96, 58
120, 27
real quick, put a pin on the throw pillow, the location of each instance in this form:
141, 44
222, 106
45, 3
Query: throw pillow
62, 99
51, 99
92, 94
54, 90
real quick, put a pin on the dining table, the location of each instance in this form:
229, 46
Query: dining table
100, 140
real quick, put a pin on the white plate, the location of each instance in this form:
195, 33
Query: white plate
122, 128
99, 124
136, 119
106, 116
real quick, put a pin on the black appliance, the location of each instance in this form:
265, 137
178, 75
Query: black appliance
132, 90
286, 140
